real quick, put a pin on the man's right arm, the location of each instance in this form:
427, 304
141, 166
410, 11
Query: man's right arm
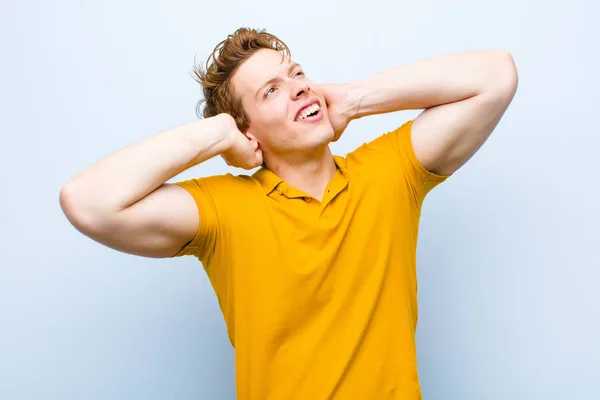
123, 202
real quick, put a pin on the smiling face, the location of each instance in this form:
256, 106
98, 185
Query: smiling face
288, 115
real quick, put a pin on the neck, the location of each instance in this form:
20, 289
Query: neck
309, 175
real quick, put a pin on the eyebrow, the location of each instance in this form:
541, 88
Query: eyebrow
292, 66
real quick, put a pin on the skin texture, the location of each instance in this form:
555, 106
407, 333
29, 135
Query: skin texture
463, 95
296, 151
123, 202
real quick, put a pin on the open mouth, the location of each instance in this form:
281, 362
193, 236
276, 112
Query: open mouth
310, 113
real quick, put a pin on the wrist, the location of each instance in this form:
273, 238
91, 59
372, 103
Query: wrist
352, 100
224, 127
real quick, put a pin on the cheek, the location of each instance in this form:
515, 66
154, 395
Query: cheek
269, 120
279, 108
274, 113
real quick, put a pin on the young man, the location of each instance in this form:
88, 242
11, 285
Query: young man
313, 257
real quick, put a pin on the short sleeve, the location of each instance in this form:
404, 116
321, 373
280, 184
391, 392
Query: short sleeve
203, 191
397, 144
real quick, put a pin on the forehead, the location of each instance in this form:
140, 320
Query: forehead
263, 65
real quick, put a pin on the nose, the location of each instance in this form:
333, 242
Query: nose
301, 89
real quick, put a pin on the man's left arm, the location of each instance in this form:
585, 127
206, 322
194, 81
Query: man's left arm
463, 95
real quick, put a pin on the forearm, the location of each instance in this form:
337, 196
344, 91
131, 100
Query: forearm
428, 83
126, 176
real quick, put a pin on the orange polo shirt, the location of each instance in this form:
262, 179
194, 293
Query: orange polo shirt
319, 298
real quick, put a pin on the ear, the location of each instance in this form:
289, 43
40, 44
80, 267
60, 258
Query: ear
253, 140
250, 136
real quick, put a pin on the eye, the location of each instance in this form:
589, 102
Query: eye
298, 73
269, 91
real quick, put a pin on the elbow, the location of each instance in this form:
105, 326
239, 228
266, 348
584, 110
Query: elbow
78, 209
500, 78
511, 79
505, 78
72, 206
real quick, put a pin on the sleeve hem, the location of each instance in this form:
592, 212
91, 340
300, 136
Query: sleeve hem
190, 248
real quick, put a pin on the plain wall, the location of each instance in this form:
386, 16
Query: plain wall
508, 256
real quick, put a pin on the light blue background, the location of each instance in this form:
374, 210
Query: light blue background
509, 259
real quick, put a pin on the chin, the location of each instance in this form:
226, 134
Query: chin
321, 136
315, 136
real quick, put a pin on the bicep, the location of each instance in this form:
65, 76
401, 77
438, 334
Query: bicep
158, 225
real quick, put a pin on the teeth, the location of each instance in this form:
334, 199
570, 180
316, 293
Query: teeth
308, 110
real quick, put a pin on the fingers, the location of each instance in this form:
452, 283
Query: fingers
259, 156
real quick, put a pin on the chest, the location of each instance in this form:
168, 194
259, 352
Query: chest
308, 235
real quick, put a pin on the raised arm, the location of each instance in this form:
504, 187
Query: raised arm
464, 96
123, 202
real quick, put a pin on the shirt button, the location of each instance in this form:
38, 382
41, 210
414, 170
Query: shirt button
280, 190
307, 199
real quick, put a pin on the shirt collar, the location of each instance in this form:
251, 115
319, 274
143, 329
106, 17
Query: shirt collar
269, 180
